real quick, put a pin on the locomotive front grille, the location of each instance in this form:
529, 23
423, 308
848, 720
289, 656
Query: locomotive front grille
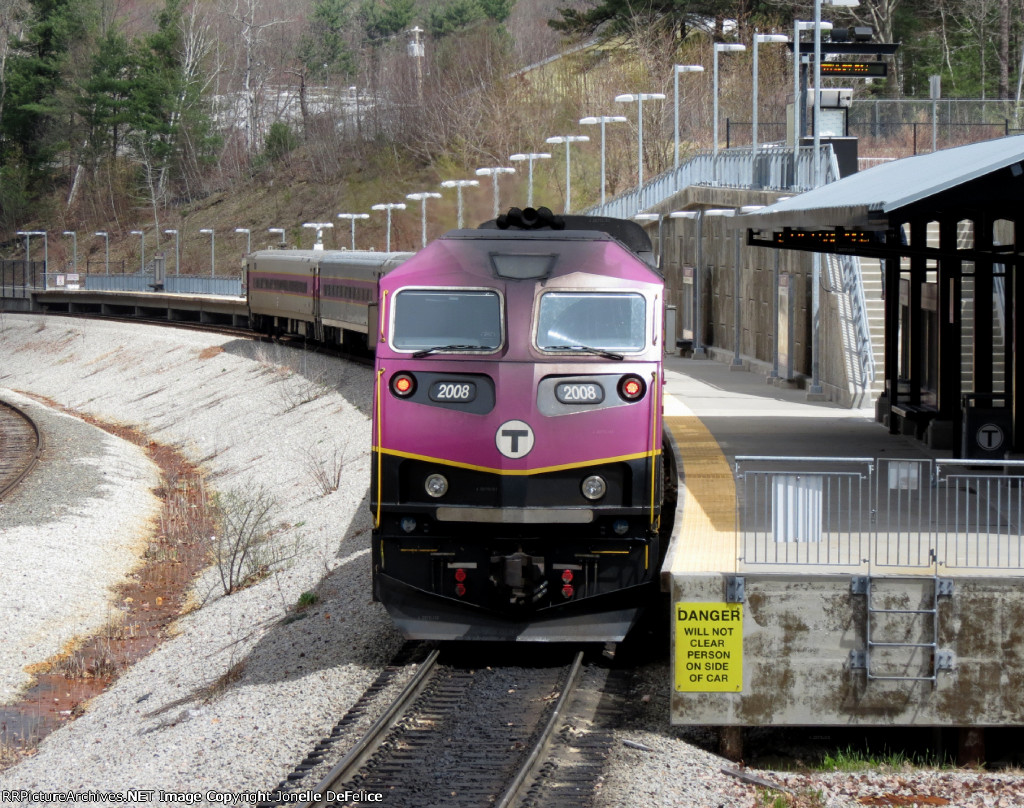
517, 516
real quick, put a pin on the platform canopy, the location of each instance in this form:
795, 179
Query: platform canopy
989, 174
945, 227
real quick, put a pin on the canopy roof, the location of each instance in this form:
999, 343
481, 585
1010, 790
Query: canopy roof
986, 174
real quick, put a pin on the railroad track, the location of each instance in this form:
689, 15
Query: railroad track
504, 735
20, 446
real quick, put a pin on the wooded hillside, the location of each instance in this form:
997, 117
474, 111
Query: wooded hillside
124, 113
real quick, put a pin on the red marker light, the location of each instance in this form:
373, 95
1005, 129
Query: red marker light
460, 590
567, 576
568, 591
403, 385
631, 388
460, 575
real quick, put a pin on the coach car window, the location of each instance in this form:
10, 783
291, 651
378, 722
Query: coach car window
441, 319
609, 321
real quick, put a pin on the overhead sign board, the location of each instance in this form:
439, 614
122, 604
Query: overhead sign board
855, 69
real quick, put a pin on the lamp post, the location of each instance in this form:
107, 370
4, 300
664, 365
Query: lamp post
352, 219
177, 250
798, 26
759, 38
458, 185
591, 120
819, 26
675, 81
213, 238
389, 206
568, 140
319, 227
814, 389
494, 173
638, 99
106, 239
28, 236
248, 238
74, 248
278, 231
720, 47
422, 197
531, 157
142, 260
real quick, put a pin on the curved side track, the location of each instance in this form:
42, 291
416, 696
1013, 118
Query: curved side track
21, 443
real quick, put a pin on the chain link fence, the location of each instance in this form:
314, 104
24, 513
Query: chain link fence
905, 126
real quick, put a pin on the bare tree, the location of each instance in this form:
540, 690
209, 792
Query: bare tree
13, 14
252, 26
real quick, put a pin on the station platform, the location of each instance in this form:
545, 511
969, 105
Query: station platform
824, 572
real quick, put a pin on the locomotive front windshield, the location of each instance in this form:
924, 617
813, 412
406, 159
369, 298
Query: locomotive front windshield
458, 319
607, 321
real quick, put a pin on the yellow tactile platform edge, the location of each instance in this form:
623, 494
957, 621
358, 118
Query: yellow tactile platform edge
704, 539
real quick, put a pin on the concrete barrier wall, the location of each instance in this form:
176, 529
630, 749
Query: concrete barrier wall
798, 633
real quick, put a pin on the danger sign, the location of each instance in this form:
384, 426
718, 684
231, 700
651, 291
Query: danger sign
709, 647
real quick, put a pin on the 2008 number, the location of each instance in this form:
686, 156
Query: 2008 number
579, 393
453, 391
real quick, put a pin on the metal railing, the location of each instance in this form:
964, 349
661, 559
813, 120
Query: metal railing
772, 168
918, 516
856, 326
18, 279
980, 517
135, 282
803, 510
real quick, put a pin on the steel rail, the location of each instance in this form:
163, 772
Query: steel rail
13, 418
536, 756
367, 745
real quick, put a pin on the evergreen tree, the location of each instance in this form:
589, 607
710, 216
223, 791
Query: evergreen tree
35, 112
323, 48
385, 18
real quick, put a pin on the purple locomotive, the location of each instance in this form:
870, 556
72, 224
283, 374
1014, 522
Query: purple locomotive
518, 460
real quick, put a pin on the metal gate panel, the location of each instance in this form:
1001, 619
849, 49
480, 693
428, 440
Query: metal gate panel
803, 511
980, 518
904, 504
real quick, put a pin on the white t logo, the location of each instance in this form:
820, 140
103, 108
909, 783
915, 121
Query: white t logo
514, 439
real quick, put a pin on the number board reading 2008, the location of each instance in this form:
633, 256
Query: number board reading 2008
453, 391
579, 393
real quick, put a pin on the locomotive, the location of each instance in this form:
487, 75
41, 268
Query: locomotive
518, 466
517, 474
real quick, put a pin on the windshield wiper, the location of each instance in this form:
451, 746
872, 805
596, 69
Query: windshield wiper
439, 348
585, 349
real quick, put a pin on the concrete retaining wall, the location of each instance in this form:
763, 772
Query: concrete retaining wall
798, 632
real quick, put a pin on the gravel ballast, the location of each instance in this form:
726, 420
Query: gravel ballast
239, 693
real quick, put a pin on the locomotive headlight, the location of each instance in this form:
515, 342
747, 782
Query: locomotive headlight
436, 485
594, 487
